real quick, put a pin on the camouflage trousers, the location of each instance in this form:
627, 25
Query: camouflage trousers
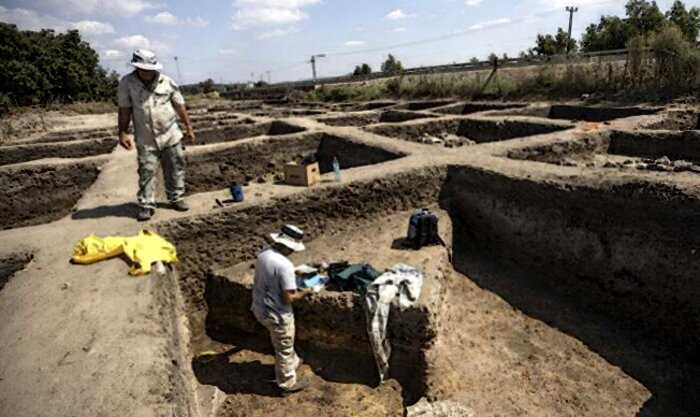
172, 160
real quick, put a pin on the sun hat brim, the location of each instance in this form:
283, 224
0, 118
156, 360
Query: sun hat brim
147, 67
288, 242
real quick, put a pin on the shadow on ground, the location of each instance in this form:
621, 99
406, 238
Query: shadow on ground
127, 210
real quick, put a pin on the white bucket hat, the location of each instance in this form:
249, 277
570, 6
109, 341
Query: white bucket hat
145, 60
290, 236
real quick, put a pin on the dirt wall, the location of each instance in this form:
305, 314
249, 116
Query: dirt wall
232, 133
9, 265
629, 247
596, 114
651, 144
41, 194
75, 149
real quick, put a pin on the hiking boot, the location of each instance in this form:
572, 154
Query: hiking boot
180, 205
301, 385
144, 214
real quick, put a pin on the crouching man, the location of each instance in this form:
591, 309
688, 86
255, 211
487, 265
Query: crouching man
274, 292
154, 101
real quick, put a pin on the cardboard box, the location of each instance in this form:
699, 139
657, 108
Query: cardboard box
303, 175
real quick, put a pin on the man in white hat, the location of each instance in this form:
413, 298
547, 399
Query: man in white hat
274, 292
153, 101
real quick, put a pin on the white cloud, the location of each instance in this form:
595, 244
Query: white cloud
30, 20
112, 53
163, 18
355, 43
132, 42
399, 30
490, 23
398, 14
251, 13
278, 33
473, 3
120, 8
92, 27
227, 51
167, 18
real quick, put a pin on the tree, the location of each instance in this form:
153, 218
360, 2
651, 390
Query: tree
207, 86
392, 65
688, 21
547, 45
363, 69
40, 67
644, 16
474, 60
611, 33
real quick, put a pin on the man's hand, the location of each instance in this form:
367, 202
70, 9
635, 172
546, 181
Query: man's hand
189, 133
126, 141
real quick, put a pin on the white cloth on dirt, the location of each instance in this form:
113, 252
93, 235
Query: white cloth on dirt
286, 359
401, 280
445, 408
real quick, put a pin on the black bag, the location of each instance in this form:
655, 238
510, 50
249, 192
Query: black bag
423, 229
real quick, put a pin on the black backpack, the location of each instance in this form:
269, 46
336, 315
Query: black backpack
423, 229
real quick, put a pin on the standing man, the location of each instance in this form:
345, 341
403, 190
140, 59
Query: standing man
153, 100
274, 292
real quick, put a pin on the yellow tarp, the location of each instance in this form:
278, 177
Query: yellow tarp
143, 250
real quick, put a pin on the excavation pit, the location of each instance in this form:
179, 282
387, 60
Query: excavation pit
423, 105
368, 118
233, 133
676, 120
334, 322
582, 113
40, 194
476, 130
264, 160
662, 151
76, 135
11, 264
15, 154
477, 107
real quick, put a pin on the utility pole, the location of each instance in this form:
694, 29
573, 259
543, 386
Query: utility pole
179, 75
269, 78
571, 10
313, 63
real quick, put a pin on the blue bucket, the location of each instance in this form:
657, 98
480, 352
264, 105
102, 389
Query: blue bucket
237, 193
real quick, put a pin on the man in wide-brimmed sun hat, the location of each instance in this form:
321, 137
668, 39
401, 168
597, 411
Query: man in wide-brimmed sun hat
274, 292
154, 102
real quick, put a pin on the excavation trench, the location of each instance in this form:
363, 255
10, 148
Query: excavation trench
666, 151
581, 113
364, 119
608, 263
477, 107
477, 130
263, 161
39, 194
423, 105
233, 133
73, 149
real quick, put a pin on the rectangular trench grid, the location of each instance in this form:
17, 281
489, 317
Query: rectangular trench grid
15, 154
233, 133
663, 151
367, 118
263, 161
477, 130
40, 194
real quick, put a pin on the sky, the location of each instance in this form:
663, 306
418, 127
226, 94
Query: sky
243, 40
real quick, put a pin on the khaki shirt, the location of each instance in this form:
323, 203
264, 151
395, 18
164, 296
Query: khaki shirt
155, 119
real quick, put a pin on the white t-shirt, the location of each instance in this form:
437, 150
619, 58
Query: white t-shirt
274, 274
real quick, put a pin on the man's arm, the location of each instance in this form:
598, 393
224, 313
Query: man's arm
181, 111
125, 139
292, 296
